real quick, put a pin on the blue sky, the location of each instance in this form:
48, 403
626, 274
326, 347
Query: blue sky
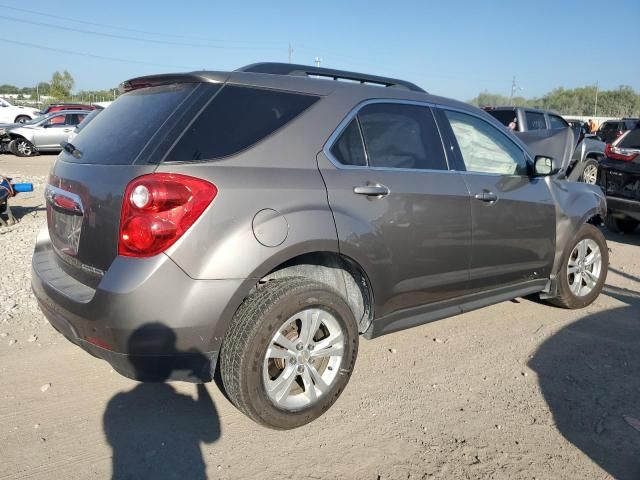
453, 48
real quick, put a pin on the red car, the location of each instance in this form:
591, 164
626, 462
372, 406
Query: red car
57, 107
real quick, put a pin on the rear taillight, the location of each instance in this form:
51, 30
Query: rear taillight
624, 154
157, 209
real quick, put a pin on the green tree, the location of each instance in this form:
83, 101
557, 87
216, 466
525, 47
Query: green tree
621, 102
61, 85
44, 88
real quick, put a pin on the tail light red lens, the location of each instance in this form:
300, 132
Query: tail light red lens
624, 154
157, 209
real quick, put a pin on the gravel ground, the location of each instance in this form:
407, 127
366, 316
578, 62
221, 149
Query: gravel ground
519, 390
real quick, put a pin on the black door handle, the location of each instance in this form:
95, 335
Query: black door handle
376, 190
486, 196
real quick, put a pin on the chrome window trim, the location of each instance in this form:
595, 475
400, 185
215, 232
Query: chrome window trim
326, 149
50, 193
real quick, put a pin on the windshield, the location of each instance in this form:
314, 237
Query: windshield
35, 120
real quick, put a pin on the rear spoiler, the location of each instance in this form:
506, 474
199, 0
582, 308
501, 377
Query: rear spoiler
170, 78
557, 144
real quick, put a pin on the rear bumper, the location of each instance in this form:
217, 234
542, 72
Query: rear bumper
146, 317
622, 207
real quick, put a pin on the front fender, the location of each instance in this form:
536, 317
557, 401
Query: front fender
576, 204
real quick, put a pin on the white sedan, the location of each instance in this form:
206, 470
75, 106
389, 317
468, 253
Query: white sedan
16, 114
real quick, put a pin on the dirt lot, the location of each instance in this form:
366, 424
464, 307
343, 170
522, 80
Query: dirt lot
517, 390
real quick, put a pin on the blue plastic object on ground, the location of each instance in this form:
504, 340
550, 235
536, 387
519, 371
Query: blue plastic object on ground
22, 187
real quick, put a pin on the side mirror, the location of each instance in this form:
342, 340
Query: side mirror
544, 166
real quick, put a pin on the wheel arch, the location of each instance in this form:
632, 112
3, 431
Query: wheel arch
340, 272
15, 120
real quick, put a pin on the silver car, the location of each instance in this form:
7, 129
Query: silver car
44, 133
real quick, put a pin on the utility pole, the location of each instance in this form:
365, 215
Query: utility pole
317, 60
595, 106
514, 88
290, 52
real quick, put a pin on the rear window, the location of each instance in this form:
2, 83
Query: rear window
237, 118
610, 126
119, 134
81, 126
631, 140
505, 117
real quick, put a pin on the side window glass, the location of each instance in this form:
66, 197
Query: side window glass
349, 149
535, 121
56, 121
401, 136
557, 122
484, 148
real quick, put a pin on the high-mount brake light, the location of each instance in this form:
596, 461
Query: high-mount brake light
157, 209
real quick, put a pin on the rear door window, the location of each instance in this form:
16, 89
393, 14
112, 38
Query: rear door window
349, 148
535, 121
401, 136
237, 118
557, 122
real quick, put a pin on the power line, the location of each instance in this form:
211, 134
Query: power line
127, 37
123, 29
99, 57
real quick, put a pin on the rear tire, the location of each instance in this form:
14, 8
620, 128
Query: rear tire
22, 147
590, 172
621, 225
585, 263
267, 344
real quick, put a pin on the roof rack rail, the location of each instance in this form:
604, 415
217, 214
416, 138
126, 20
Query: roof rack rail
275, 68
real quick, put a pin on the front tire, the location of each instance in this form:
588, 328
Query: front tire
585, 263
289, 352
22, 147
22, 118
621, 225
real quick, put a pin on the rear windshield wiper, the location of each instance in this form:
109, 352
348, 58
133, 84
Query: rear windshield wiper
70, 148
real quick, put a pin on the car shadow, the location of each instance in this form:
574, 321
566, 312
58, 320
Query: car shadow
156, 432
627, 238
589, 374
19, 211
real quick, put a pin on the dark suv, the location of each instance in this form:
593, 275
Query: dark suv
588, 151
612, 129
619, 178
262, 220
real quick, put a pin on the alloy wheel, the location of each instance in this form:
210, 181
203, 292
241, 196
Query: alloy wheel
590, 174
24, 148
584, 267
303, 359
